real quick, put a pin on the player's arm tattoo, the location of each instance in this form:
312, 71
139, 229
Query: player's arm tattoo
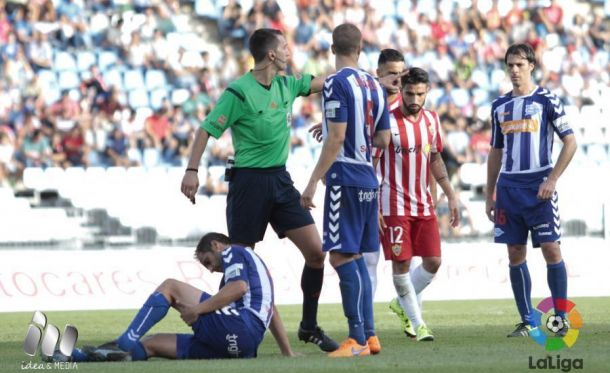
439, 171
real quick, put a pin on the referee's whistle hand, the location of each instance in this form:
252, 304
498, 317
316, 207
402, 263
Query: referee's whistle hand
190, 185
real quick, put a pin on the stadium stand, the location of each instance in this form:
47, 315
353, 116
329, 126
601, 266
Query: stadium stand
74, 72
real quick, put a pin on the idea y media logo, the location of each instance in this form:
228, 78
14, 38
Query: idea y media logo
44, 337
555, 333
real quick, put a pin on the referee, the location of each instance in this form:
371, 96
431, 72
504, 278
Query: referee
258, 109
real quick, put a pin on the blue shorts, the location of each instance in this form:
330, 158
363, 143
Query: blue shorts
223, 334
519, 211
261, 196
350, 220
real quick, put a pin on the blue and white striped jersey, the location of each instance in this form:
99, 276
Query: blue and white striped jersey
241, 263
354, 97
523, 127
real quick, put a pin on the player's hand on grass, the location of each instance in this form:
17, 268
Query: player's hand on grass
546, 189
454, 212
490, 210
188, 314
307, 196
190, 185
316, 132
292, 354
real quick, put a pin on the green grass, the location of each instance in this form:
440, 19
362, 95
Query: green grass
470, 337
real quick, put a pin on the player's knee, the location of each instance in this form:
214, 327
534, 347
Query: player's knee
551, 253
400, 267
314, 258
432, 264
167, 286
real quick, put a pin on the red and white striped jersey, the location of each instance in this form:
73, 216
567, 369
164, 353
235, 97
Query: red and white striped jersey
404, 165
395, 104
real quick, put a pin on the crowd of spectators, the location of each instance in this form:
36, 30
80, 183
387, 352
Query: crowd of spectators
102, 111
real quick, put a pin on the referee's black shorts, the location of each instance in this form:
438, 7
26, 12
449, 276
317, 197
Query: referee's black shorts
259, 196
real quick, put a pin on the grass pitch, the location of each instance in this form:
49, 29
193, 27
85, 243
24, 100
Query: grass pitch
470, 337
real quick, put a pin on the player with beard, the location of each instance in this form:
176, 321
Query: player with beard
409, 225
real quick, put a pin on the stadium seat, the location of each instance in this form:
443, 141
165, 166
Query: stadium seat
480, 96
68, 80
113, 78
155, 79
434, 94
133, 79
480, 78
138, 98
47, 78
179, 96
206, 8
460, 97
107, 59
64, 61
156, 98
84, 60
497, 77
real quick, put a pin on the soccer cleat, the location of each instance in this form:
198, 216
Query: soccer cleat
402, 316
317, 337
350, 348
564, 330
424, 334
374, 344
521, 330
109, 351
57, 357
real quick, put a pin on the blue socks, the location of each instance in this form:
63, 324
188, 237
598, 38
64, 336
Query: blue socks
350, 282
522, 290
557, 277
152, 312
367, 298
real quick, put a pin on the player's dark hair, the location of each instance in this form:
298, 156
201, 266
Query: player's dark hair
347, 39
262, 41
390, 55
415, 75
522, 50
205, 243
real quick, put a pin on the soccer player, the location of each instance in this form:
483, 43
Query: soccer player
229, 324
409, 223
524, 122
355, 118
258, 109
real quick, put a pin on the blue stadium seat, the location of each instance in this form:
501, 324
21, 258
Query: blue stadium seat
133, 79
64, 61
47, 78
481, 96
155, 79
107, 59
156, 97
138, 98
84, 60
51, 95
113, 77
460, 97
68, 80
480, 78
206, 8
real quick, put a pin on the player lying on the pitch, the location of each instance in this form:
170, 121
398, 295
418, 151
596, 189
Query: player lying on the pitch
230, 324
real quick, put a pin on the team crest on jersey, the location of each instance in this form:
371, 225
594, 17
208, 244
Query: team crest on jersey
427, 149
222, 119
396, 249
533, 109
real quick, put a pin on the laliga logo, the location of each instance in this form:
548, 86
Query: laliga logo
43, 335
550, 321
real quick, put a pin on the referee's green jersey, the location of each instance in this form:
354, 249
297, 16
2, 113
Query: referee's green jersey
260, 118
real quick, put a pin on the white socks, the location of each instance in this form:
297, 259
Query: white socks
371, 260
407, 298
420, 279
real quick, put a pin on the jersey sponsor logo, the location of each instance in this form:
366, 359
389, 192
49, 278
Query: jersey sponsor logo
233, 270
520, 125
367, 196
273, 105
540, 226
498, 232
232, 347
413, 149
331, 108
545, 233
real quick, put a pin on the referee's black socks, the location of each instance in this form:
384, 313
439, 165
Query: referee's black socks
311, 284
